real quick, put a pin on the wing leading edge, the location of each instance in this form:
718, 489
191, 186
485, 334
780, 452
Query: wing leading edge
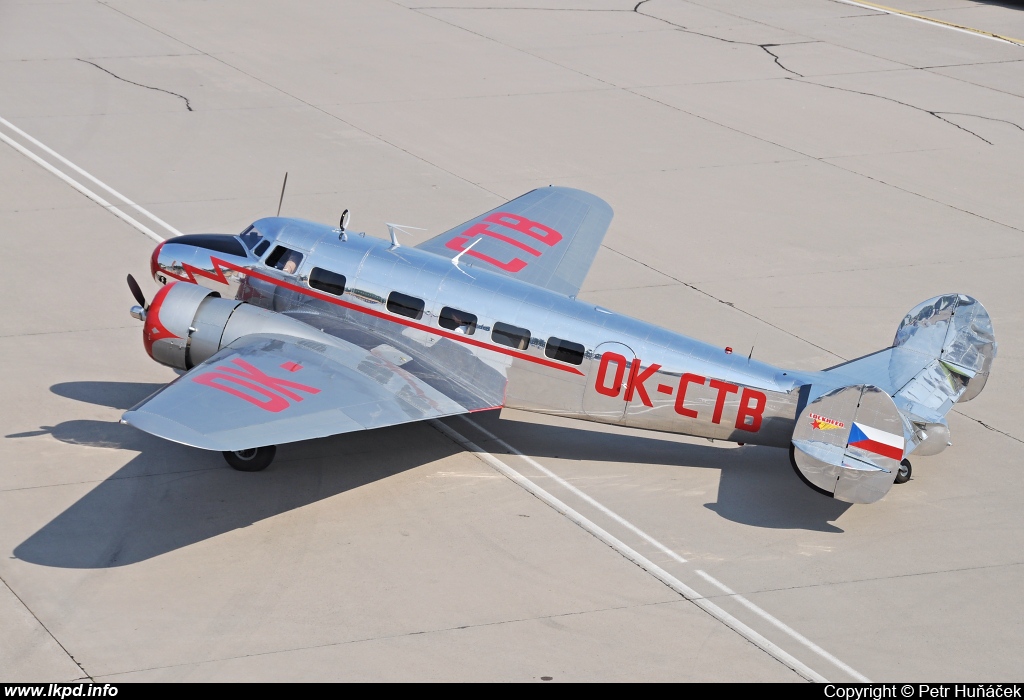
547, 237
271, 389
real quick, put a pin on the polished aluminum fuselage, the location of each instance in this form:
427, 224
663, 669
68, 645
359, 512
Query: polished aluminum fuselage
632, 373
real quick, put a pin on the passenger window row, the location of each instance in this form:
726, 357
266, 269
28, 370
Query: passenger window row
455, 320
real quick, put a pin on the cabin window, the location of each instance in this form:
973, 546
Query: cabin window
250, 237
510, 336
564, 351
327, 281
458, 321
405, 305
284, 259
261, 249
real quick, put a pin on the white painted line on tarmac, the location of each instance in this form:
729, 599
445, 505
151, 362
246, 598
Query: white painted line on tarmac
42, 146
781, 625
636, 530
675, 584
935, 22
565, 484
643, 562
80, 187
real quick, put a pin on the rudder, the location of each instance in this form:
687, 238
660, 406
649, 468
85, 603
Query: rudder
848, 443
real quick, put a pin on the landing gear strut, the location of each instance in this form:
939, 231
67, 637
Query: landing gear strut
903, 475
251, 460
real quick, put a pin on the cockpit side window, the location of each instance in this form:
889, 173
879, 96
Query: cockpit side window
284, 259
250, 237
261, 249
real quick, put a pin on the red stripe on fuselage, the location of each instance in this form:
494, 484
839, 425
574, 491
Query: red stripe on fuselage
389, 317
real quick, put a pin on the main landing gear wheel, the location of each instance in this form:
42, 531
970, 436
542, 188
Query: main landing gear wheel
252, 460
903, 475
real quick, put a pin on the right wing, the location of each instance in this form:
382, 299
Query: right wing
268, 389
547, 237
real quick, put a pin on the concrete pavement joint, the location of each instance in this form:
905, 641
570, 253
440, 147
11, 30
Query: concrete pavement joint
75, 330
626, 552
727, 303
188, 105
104, 480
934, 113
938, 572
47, 629
403, 635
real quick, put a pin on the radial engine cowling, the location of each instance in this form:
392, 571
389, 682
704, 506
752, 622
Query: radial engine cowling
186, 324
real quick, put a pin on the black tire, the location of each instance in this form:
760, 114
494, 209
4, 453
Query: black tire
253, 460
903, 475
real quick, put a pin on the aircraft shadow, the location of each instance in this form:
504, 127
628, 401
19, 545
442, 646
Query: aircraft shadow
170, 496
758, 486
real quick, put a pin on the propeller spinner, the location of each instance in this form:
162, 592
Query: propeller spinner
139, 311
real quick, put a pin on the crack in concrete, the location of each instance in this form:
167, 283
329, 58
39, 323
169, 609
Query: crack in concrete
991, 119
934, 113
765, 47
188, 105
983, 424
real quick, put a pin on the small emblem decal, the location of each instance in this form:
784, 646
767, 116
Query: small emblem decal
823, 423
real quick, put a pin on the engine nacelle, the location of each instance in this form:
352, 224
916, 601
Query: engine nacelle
187, 324
931, 439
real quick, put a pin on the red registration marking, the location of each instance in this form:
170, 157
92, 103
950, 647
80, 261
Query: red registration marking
546, 235
255, 386
748, 417
291, 366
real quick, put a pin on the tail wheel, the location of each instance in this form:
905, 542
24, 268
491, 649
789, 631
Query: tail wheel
252, 460
903, 475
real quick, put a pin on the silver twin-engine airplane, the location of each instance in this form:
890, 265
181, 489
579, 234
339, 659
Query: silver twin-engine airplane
294, 330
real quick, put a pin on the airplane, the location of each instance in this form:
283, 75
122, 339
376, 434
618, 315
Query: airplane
294, 330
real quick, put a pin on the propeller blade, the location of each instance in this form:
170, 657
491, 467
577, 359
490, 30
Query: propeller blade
136, 291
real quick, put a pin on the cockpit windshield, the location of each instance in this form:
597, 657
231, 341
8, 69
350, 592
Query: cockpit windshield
250, 237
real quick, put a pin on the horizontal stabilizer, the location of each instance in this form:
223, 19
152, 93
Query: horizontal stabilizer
942, 354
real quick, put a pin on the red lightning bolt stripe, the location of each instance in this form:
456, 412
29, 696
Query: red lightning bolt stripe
218, 275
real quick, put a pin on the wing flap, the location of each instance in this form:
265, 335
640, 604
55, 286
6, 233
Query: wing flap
270, 389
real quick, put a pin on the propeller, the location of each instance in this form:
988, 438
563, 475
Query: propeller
136, 291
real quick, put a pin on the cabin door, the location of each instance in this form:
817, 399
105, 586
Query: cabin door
604, 397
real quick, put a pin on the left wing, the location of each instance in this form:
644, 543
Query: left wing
269, 389
547, 237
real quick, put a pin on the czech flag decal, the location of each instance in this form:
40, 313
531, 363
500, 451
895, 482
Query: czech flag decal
876, 441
